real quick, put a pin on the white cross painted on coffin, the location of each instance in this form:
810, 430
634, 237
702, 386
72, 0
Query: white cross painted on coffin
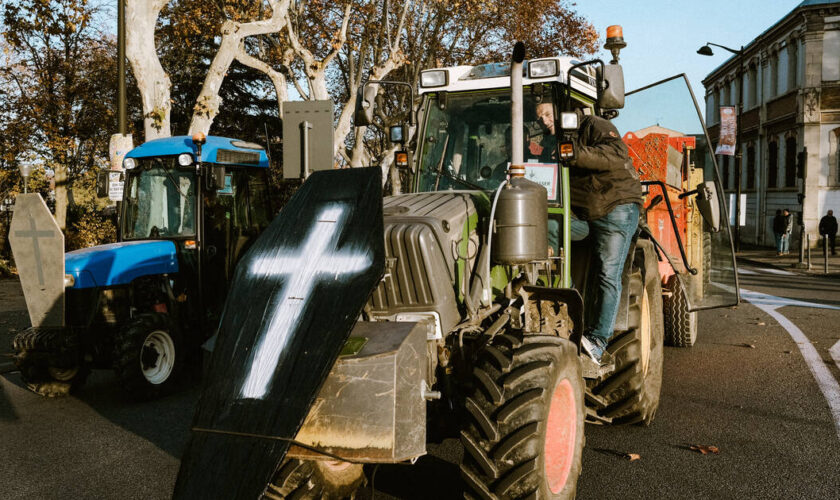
316, 260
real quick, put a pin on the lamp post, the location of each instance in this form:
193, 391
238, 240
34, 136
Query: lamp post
706, 50
25, 170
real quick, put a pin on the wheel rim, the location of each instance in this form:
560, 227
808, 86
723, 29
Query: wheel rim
560, 436
157, 358
63, 374
645, 327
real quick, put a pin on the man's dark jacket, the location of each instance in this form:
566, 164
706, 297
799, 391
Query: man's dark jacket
779, 224
828, 225
602, 175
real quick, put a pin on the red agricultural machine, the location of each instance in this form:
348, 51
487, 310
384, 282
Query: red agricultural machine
664, 160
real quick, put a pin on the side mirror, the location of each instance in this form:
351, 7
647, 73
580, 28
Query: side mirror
215, 177
102, 180
612, 97
365, 102
397, 134
709, 205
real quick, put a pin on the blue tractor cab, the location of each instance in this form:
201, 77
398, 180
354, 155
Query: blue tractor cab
144, 305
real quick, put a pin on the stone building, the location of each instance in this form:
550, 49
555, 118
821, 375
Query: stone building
791, 84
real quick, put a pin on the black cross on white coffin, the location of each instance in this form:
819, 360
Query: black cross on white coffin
38, 246
293, 301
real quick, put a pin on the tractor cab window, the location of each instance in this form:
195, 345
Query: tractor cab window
160, 200
467, 145
236, 214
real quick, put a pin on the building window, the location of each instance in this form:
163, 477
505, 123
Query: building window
772, 163
790, 162
752, 98
792, 65
774, 75
750, 167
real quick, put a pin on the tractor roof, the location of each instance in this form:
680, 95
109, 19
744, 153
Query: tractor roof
222, 150
497, 75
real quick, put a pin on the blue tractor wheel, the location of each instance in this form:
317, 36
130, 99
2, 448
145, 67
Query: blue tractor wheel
148, 358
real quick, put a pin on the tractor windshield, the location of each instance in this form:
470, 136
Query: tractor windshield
672, 151
159, 200
466, 142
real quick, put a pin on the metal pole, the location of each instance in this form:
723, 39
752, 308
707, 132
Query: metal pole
121, 120
825, 254
808, 240
738, 150
305, 127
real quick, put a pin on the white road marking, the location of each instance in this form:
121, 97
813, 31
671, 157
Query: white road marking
835, 353
744, 270
825, 380
777, 271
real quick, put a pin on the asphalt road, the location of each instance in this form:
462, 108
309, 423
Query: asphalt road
747, 388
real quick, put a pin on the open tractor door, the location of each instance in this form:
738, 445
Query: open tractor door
685, 209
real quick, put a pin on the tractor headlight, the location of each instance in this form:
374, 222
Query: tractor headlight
129, 163
569, 121
185, 159
542, 69
433, 78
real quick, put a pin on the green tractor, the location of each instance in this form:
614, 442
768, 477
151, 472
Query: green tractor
473, 319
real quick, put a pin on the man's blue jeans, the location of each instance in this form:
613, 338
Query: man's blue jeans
786, 243
778, 242
611, 237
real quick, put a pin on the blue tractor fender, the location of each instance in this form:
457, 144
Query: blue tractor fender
120, 263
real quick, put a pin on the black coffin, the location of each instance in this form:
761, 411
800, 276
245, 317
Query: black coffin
293, 301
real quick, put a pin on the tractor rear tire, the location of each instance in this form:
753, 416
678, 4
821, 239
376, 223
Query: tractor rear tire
680, 323
147, 358
49, 381
315, 479
630, 393
524, 434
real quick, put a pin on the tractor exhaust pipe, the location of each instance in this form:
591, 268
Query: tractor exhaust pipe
517, 168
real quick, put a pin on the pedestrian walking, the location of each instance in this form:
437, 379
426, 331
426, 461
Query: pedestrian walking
778, 230
788, 230
828, 230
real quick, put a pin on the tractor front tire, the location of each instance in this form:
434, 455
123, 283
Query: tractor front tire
524, 435
630, 393
680, 323
147, 360
315, 479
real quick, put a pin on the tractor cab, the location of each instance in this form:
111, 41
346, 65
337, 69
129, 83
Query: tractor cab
210, 207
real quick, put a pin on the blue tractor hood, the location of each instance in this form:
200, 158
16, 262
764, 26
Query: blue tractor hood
120, 263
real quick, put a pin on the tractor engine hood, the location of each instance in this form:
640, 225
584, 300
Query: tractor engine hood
120, 263
293, 301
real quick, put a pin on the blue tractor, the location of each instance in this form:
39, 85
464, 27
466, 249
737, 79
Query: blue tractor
143, 306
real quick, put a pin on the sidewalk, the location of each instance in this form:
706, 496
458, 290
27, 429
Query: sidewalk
767, 256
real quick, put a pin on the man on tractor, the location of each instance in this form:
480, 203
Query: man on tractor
605, 195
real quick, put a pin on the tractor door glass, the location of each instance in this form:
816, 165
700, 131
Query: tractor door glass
669, 144
467, 145
160, 200
235, 216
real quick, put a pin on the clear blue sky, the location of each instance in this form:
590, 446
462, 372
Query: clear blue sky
663, 36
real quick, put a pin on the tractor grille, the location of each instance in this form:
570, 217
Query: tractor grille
416, 275
232, 156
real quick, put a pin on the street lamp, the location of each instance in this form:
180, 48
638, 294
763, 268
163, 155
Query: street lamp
25, 170
706, 50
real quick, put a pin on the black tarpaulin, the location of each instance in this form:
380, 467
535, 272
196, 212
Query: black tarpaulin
293, 301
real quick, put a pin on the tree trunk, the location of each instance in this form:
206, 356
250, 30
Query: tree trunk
60, 179
208, 102
153, 82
